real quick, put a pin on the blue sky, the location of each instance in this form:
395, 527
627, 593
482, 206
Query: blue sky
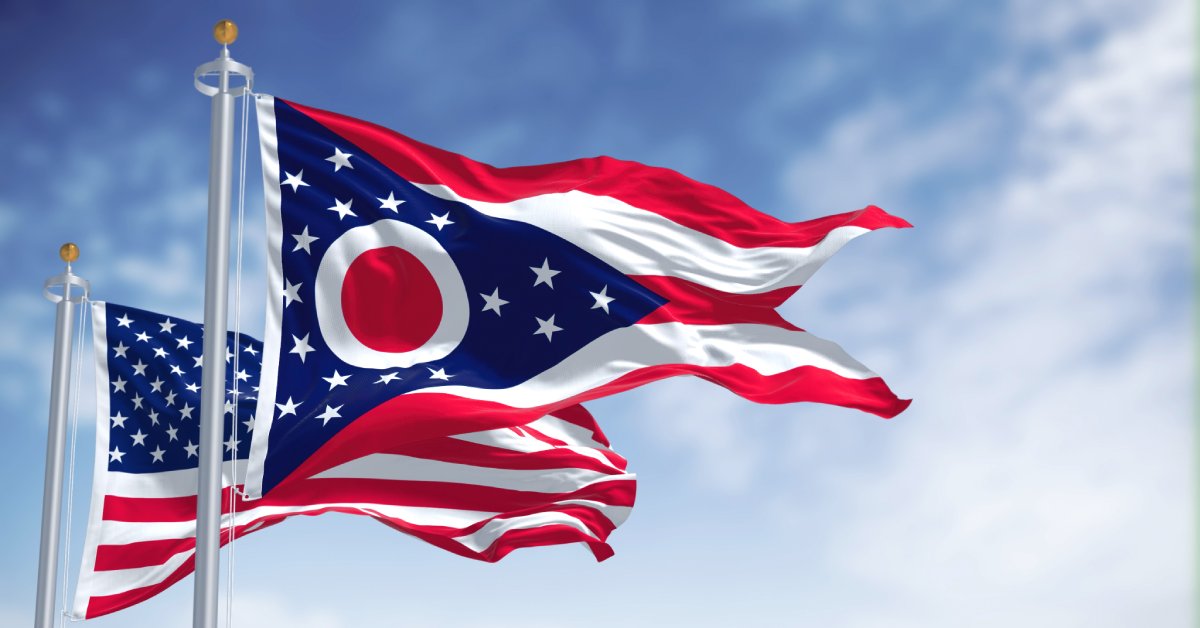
1039, 314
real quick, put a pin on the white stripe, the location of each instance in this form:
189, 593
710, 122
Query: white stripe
506, 438
178, 483
264, 414
85, 582
405, 468
640, 242
766, 349
492, 530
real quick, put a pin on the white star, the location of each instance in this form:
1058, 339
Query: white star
153, 417
176, 370
336, 379
547, 327
340, 160
250, 349
198, 361
493, 301
157, 453
228, 354
186, 410
124, 321
391, 203
287, 408
439, 374
119, 420
172, 434
388, 378
242, 375
142, 336
544, 274
232, 443
184, 343
294, 180
171, 399
116, 455
119, 384
302, 348
192, 388
137, 401
140, 368
602, 299
167, 326
156, 385
291, 292
303, 240
249, 423
228, 407
342, 209
191, 449
139, 438
120, 350
159, 352
329, 414
440, 221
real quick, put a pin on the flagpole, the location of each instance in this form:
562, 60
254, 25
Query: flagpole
216, 296
56, 433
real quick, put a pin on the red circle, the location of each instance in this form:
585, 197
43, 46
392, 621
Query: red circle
390, 301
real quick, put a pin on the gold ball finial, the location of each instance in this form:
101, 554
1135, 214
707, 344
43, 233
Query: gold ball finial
69, 252
225, 32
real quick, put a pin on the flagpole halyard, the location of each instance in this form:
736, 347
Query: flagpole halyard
66, 290
216, 299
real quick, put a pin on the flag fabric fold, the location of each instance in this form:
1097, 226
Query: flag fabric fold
483, 494
443, 295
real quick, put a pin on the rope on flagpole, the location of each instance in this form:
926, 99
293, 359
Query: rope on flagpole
237, 353
77, 368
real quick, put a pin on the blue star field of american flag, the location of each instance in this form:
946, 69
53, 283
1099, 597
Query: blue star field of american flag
154, 366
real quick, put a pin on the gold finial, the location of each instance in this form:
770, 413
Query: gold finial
69, 252
225, 32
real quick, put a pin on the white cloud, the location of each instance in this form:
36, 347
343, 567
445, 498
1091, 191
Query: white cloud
1042, 477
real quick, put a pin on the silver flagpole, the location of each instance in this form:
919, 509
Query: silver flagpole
216, 295
56, 433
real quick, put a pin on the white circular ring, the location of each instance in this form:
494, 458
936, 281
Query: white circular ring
331, 275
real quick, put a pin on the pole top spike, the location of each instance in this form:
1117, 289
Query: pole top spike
69, 252
225, 32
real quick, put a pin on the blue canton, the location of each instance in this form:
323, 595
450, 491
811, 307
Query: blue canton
154, 365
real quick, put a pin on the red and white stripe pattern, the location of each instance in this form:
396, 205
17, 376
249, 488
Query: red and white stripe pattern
722, 266
480, 495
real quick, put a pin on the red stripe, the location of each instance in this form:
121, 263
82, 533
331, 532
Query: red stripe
692, 303
141, 554
695, 205
156, 509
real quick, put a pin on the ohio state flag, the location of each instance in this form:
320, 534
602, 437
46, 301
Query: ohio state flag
415, 293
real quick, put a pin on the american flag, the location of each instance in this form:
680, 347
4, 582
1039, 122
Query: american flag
416, 293
481, 495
